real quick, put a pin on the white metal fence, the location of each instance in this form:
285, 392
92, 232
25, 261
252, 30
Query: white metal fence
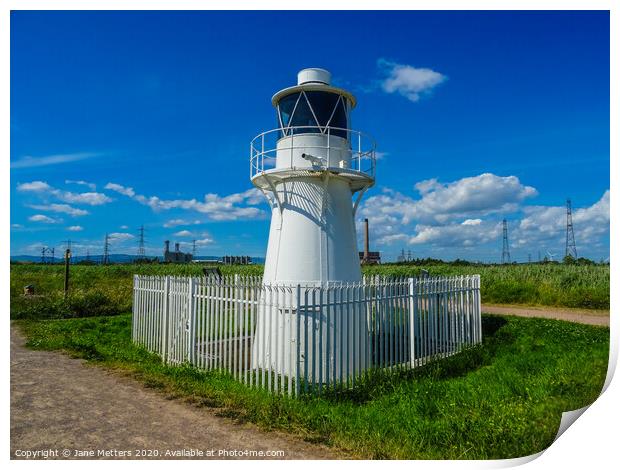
303, 338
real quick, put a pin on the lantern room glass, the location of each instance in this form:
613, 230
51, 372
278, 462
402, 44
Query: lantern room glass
313, 112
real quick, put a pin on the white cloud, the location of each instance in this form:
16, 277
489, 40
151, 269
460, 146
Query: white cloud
252, 196
183, 233
92, 186
471, 222
75, 228
91, 198
41, 187
478, 195
34, 186
17, 226
43, 219
61, 208
451, 214
204, 241
467, 213
409, 81
126, 191
178, 222
465, 235
34, 248
30, 162
124, 227
440, 203
392, 238
214, 206
120, 236
546, 225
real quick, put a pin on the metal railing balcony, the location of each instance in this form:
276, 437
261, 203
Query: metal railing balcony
281, 148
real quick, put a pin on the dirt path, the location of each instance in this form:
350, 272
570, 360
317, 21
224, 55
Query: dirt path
589, 317
59, 403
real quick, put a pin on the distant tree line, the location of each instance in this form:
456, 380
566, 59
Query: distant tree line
581, 261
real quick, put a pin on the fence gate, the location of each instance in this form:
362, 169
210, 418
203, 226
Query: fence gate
178, 321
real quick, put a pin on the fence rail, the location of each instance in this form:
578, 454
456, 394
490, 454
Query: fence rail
264, 148
299, 339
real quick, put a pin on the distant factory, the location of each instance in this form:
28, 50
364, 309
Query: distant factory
367, 256
176, 256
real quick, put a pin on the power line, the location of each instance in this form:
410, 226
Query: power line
571, 248
505, 246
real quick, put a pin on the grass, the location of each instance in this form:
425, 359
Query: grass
548, 284
501, 399
107, 290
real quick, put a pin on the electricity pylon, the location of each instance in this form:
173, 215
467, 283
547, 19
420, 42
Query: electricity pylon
505, 247
571, 248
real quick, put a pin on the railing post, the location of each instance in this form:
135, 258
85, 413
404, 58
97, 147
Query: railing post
328, 147
262, 153
165, 321
479, 308
359, 151
191, 314
236, 328
292, 146
298, 343
412, 316
134, 320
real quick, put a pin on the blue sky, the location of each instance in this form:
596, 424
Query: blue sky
126, 118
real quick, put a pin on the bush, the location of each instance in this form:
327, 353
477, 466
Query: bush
92, 303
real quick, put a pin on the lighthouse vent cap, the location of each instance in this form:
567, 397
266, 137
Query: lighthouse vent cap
314, 76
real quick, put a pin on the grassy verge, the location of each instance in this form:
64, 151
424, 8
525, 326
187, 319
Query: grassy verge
107, 290
499, 400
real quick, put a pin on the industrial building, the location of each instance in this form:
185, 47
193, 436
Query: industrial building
176, 256
236, 259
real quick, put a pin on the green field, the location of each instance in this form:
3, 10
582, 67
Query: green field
105, 290
501, 399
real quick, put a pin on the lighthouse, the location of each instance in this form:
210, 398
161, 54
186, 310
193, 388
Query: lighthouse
314, 169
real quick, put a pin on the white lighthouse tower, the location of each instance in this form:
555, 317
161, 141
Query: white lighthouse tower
314, 169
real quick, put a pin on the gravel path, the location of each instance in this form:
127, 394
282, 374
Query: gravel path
589, 317
60, 403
